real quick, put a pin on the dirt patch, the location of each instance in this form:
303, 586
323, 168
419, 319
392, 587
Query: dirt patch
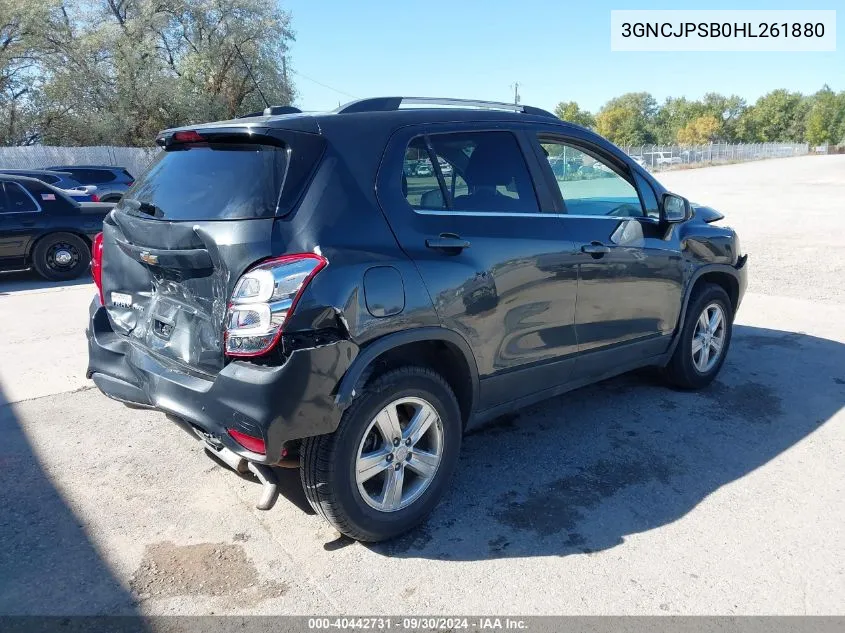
208, 569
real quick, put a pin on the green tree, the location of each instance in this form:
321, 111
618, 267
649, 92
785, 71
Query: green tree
728, 110
675, 114
118, 71
826, 117
704, 129
569, 111
775, 117
22, 26
628, 119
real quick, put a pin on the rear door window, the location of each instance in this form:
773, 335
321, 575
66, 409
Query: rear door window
18, 200
478, 172
214, 181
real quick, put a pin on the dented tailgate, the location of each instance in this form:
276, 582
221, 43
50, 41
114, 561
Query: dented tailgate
166, 284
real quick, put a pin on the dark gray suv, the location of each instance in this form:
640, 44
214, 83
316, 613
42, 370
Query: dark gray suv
294, 291
111, 182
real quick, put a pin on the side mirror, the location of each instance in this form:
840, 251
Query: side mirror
675, 208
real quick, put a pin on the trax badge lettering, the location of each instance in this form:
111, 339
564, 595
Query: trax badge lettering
121, 299
148, 257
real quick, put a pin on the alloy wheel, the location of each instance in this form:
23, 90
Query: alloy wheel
708, 338
399, 454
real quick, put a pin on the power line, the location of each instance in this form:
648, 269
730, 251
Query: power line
320, 83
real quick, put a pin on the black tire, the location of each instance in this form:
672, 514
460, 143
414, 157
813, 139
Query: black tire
681, 370
328, 462
44, 256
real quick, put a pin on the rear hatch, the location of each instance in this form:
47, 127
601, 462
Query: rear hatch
176, 244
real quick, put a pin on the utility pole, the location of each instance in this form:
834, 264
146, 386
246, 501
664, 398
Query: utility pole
516, 93
285, 77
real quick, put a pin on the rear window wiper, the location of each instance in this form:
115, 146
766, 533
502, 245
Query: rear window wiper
143, 207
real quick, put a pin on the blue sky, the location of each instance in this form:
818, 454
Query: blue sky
557, 50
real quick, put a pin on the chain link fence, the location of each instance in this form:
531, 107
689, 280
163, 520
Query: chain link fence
652, 157
659, 157
133, 159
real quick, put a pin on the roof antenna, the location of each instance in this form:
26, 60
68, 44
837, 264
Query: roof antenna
251, 76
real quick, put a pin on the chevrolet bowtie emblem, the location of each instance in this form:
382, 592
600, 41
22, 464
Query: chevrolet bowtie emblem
149, 258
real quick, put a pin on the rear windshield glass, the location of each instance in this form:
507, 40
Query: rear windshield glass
216, 181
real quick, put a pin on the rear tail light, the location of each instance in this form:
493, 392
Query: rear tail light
95, 197
263, 299
249, 442
97, 265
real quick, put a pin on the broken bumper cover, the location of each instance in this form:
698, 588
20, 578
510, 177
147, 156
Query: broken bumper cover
278, 404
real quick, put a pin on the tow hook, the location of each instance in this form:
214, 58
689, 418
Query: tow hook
265, 474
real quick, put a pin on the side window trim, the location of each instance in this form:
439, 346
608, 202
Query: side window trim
28, 194
590, 149
438, 173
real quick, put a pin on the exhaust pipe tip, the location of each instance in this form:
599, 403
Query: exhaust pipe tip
232, 460
269, 483
265, 474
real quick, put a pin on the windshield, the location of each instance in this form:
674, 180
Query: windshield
214, 181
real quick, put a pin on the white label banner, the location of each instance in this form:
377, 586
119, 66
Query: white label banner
723, 30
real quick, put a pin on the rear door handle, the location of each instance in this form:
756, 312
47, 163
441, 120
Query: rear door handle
447, 242
595, 248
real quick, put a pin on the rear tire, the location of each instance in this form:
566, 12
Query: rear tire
61, 256
350, 476
704, 340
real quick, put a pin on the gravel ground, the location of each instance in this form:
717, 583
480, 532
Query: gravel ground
621, 498
790, 214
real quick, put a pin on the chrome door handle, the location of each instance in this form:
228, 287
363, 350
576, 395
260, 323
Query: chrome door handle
447, 242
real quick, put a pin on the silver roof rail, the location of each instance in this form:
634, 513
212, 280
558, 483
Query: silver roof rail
388, 104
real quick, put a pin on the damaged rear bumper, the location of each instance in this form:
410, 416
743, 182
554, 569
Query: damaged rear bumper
278, 404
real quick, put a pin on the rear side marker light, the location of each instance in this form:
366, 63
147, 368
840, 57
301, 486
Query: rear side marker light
262, 301
97, 265
249, 442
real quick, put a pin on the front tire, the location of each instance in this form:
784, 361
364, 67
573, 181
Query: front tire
61, 256
704, 339
390, 460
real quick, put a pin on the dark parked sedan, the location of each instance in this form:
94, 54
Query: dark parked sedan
111, 182
42, 228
